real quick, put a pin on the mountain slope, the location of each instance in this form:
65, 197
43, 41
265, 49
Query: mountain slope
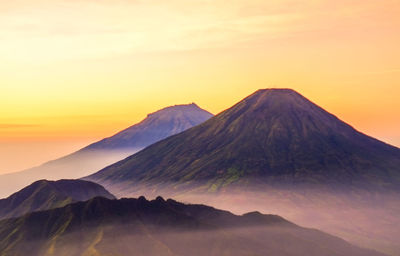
140, 227
275, 137
44, 194
156, 126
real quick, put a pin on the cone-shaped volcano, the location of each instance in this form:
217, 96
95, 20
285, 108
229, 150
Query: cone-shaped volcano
275, 137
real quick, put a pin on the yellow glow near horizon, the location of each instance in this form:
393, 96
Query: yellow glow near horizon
82, 70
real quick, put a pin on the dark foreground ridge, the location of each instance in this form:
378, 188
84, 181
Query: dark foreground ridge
161, 227
44, 194
272, 137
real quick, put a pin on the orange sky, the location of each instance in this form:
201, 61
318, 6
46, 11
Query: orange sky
72, 72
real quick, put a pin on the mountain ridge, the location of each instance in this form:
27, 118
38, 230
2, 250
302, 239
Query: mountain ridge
44, 194
162, 227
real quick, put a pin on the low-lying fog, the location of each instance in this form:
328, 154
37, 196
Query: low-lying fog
370, 221
141, 240
367, 219
73, 166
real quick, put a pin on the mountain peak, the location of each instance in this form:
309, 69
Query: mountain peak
277, 91
277, 98
156, 126
184, 108
279, 110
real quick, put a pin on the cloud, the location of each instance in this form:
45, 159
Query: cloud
59, 30
62, 30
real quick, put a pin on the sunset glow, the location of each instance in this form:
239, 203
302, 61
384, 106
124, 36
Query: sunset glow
72, 72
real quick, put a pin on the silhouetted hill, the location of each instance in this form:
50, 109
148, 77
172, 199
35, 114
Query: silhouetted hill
275, 137
44, 194
154, 127
140, 227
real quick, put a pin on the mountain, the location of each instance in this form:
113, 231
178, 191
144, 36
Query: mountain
139, 227
157, 126
154, 127
44, 194
273, 137
276, 151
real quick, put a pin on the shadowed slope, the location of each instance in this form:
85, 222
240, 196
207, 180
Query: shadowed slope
140, 227
44, 194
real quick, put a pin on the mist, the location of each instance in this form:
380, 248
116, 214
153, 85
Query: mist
73, 166
370, 221
141, 239
367, 219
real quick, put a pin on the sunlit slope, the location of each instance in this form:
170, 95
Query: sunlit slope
275, 137
44, 194
156, 126
153, 228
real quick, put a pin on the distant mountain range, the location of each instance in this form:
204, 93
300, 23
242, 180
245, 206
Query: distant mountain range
154, 127
155, 228
44, 194
273, 137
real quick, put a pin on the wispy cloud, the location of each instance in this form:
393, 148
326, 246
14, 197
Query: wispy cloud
81, 29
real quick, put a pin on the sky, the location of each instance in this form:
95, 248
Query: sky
73, 72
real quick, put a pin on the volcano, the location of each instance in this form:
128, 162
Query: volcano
156, 126
274, 137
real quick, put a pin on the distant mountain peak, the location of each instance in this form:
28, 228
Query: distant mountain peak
178, 108
156, 126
